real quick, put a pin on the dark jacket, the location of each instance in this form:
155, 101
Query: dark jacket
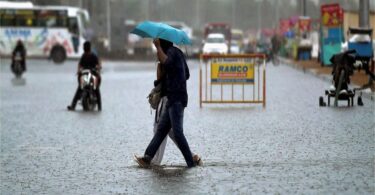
89, 61
20, 48
176, 72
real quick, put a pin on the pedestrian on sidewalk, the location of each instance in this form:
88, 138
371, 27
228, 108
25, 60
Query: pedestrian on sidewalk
160, 111
176, 72
275, 47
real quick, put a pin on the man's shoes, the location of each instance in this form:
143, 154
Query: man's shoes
142, 161
197, 160
70, 108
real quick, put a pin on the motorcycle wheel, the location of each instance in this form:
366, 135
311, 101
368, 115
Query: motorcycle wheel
85, 101
92, 102
17, 69
88, 102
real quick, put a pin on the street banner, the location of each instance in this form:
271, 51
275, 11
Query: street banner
331, 15
304, 24
293, 21
284, 26
232, 73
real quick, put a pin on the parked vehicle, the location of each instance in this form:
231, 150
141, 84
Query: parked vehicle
193, 50
130, 39
250, 47
219, 28
238, 39
215, 44
182, 26
235, 47
144, 47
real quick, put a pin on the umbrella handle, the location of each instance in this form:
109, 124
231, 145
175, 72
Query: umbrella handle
187, 55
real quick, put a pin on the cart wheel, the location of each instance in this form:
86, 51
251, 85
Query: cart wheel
359, 101
321, 102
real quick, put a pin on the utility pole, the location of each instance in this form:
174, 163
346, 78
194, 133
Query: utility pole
259, 7
364, 13
198, 16
304, 8
147, 10
109, 24
234, 12
277, 14
364, 22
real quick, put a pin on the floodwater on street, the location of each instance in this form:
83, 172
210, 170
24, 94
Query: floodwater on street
292, 146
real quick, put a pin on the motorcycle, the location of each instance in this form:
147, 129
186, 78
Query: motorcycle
88, 96
17, 65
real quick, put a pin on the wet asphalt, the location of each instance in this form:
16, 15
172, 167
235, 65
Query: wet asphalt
292, 146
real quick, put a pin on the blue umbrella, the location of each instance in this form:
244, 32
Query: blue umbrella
149, 29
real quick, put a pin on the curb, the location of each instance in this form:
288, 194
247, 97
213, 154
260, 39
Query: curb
327, 78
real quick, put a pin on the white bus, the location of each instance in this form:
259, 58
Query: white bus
57, 32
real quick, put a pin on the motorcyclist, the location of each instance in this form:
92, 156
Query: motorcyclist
21, 50
88, 61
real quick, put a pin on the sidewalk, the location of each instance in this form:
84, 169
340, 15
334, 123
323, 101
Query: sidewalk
314, 67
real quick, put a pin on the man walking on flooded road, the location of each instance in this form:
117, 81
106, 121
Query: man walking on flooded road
176, 70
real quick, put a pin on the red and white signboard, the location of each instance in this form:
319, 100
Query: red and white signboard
332, 15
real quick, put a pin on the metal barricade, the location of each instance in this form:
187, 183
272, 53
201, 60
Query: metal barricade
223, 75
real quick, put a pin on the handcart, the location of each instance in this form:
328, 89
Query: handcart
358, 56
343, 68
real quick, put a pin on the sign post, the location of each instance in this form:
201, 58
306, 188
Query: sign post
241, 78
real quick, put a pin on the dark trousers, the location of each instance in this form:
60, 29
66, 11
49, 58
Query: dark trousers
173, 118
78, 93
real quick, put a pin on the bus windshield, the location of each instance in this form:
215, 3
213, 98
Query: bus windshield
85, 20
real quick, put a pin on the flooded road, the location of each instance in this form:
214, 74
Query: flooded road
291, 146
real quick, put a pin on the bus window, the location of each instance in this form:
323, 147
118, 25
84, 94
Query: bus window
62, 19
73, 26
7, 18
25, 18
46, 18
52, 18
